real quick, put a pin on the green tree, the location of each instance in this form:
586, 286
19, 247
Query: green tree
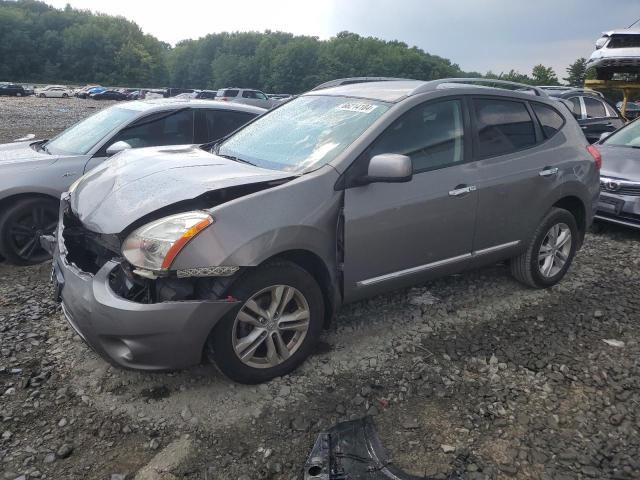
577, 73
542, 75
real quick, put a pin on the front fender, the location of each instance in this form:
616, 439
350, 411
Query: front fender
298, 215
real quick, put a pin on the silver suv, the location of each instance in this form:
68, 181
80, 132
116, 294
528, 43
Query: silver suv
248, 250
247, 96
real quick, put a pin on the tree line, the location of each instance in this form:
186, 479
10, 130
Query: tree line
39, 43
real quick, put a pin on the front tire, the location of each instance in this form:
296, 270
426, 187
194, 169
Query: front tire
275, 327
64, 95
42, 95
21, 226
550, 251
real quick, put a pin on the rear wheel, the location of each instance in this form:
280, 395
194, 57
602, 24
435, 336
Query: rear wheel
64, 95
274, 329
21, 226
18, 94
550, 251
42, 95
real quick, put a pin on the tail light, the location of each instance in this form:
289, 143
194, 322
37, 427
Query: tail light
596, 156
224, 99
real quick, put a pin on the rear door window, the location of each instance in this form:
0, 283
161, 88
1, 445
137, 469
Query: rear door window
595, 108
503, 126
165, 128
577, 108
550, 120
222, 122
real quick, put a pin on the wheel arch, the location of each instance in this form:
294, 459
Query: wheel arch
6, 201
577, 208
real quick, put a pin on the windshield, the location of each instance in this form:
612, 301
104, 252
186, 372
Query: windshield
626, 137
81, 137
303, 134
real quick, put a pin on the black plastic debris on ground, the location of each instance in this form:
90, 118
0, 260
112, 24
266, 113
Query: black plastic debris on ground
352, 451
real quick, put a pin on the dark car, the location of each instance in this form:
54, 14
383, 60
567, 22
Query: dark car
620, 177
632, 110
593, 112
206, 95
11, 90
109, 95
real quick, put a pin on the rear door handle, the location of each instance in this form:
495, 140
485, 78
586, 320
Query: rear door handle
462, 190
547, 172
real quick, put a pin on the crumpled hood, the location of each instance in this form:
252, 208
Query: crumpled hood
21, 153
620, 162
140, 181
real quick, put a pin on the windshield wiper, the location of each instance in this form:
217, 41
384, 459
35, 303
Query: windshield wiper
235, 159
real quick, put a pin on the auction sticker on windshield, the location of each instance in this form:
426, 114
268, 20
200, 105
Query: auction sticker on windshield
357, 107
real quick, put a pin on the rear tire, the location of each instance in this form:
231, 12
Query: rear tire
550, 251
21, 226
18, 94
282, 310
64, 95
42, 95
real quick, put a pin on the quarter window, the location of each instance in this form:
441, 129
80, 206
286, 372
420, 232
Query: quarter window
504, 126
550, 120
432, 135
595, 108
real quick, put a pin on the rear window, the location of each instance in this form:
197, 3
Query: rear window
504, 126
227, 93
550, 120
624, 41
595, 108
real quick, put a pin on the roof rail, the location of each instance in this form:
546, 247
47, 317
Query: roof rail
349, 80
484, 82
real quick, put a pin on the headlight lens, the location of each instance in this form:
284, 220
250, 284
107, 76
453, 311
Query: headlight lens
154, 246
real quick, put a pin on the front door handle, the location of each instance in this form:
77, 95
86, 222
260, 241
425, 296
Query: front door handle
462, 190
547, 172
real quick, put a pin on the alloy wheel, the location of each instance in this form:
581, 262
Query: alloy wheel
555, 250
25, 231
271, 326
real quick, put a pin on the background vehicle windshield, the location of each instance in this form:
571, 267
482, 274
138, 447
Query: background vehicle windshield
81, 137
626, 137
304, 134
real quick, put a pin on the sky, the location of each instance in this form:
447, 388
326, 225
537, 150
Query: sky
478, 35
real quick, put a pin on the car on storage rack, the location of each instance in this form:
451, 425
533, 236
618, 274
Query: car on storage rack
54, 91
594, 113
247, 249
617, 51
33, 174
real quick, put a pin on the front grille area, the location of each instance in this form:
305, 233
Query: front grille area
87, 250
630, 190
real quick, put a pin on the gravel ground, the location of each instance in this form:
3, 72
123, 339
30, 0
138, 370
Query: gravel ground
43, 117
471, 373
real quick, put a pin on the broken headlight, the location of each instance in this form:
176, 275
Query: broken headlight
155, 245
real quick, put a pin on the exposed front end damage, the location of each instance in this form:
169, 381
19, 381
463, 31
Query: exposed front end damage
352, 451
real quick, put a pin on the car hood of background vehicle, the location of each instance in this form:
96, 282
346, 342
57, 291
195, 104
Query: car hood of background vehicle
137, 182
21, 153
620, 162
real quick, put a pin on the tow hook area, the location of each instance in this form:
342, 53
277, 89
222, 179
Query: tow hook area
352, 451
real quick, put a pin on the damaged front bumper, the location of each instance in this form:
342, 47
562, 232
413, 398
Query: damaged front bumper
619, 208
149, 336
352, 451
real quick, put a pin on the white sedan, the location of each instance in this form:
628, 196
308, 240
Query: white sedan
54, 91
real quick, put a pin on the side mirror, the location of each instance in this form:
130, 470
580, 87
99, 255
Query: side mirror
117, 148
389, 168
604, 135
